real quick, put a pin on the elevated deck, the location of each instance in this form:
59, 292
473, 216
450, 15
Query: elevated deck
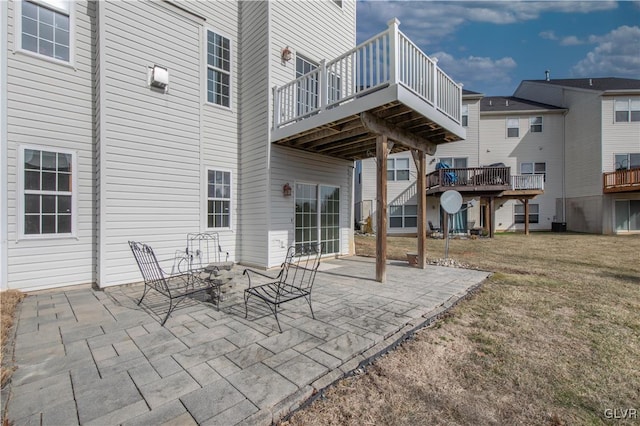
485, 182
386, 80
621, 181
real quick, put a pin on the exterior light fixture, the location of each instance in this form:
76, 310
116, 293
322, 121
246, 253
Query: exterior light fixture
286, 54
286, 190
158, 77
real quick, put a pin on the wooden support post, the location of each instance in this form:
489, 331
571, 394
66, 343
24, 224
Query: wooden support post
492, 215
381, 220
526, 216
487, 217
445, 222
420, 159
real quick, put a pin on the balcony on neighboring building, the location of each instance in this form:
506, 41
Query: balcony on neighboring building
621, 181
484, 181
386, 82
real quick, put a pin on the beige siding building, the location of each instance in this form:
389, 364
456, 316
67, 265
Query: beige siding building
574, 134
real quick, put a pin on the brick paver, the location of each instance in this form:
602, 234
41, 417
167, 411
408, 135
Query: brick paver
92, 357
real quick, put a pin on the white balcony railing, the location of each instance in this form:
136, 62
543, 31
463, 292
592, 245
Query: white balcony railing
387, 58
520, 182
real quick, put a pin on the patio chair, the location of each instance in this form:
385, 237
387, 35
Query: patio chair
176, 287
295, 280
433, 228
204, 252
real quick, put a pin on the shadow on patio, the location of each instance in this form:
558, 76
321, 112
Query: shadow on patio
87, 356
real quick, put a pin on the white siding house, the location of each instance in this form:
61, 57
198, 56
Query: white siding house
148, 120
571, 131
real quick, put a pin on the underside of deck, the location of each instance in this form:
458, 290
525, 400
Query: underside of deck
340, 132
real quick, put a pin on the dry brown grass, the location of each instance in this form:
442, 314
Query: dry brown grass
8, 301
552, 338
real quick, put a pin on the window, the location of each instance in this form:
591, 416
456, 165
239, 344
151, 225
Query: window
403, 216
46, 28
465, 115
627, 161
398, 169
513, 127
218, 199
307, 89
627, 110
534, 169
454, 162
47, 183
218, 69
535, 124
518, 213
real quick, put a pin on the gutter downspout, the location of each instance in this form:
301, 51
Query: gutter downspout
4, 172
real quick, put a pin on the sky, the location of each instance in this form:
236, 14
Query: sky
491, 46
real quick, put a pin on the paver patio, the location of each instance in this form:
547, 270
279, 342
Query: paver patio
95, 357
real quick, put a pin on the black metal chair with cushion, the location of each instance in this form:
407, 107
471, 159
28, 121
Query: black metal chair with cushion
295, 280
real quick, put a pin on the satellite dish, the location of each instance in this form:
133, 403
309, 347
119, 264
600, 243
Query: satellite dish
451, 201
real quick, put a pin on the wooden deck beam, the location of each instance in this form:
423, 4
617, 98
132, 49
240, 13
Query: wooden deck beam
397, 134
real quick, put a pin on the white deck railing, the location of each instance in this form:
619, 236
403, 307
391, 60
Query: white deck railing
519, 182
387, 58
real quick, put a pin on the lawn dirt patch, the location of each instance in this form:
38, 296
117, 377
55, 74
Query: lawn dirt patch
553, 337
9, 301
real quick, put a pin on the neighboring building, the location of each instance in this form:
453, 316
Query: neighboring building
568, 132
602, 150
148, 120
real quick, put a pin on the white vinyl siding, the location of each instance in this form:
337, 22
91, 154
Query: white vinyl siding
46, 29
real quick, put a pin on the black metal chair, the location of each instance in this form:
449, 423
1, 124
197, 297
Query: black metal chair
176, 287
295, 280
433, 228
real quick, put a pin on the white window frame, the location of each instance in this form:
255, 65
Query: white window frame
513, 123
207, 198
464, 114
395, 170
452, 163
403, 215
20, 202
630, 106
207, 67
534, 165
626, 163
533, 125
55, 6
518, 212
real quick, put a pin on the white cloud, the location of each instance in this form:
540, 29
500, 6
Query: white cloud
548, 35
429, 21
473, 70
571, 41
616, 54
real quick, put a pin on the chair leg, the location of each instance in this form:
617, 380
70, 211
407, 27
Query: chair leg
310, 307
144, 293
246, 298
275, 313
171, 307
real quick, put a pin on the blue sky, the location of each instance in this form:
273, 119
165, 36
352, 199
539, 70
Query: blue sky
491, 46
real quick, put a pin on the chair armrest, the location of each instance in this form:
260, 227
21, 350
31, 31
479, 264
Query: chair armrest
248, 273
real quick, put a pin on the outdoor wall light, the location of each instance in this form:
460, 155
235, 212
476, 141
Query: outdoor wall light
158, 77
286, 190
286, 54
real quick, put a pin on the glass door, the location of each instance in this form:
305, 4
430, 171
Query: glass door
627, 215
317, 216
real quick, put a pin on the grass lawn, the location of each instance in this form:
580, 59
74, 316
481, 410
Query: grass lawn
553, 337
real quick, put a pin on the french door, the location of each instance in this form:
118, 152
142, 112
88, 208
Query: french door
317, 216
